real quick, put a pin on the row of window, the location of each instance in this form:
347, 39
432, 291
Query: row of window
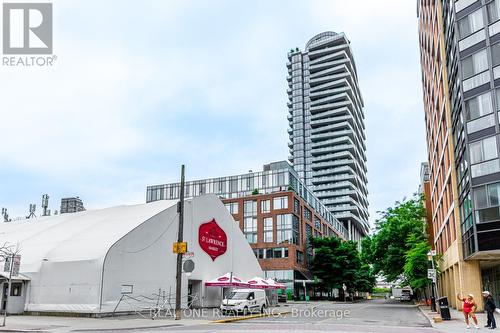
475, 22
287, 229
274, 253
250, 206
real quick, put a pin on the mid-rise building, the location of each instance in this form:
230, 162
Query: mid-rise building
71, 205
460, 57
326, 128
277, 214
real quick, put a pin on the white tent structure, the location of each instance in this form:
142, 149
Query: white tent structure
84, 262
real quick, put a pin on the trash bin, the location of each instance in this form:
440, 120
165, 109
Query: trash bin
444, 309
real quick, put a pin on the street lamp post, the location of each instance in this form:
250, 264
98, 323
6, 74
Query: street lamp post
430, 257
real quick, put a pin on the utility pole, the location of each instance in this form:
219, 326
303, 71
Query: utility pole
8, 288
178, 285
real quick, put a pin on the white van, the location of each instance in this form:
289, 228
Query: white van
244, 301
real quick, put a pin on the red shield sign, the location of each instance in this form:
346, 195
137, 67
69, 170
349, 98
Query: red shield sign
212, 239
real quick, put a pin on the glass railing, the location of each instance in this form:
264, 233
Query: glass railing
476, 81
462, 4
485, 168
471, 40
481, 123
494, 28
496, 72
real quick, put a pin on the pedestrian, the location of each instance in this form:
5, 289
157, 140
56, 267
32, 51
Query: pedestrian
469, 309
489, 306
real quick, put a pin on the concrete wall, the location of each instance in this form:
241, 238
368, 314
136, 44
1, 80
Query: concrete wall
459, 277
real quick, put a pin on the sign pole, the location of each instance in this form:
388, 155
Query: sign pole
178, 284
8, 289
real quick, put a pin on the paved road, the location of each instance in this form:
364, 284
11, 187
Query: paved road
382, 316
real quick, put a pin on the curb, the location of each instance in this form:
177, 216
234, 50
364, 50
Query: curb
260, 315
431, 322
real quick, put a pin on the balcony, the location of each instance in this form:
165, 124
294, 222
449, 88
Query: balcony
462, 4
472, 40
476, 81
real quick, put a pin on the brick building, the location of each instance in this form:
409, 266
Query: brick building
276, 213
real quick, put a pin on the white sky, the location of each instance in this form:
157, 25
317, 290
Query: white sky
140, 87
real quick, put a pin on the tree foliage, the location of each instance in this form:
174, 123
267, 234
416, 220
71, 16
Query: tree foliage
337, 262
399, 247
416, 264
391, 242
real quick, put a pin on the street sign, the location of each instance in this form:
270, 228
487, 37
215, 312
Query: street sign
188, 266
180, 247
431, 274
344, 287
6, 266
17, 265
187, 255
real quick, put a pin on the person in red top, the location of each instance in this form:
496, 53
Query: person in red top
469, 309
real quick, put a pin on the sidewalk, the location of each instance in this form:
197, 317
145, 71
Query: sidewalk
457, 322
75, 324
132, 322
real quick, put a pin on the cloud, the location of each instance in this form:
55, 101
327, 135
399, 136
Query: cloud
140, 88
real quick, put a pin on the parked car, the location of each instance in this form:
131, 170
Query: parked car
244, 301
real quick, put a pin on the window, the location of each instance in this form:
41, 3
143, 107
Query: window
487, 202
268, 230
471, 23
476, 63
265, 206
495, 54
16, 288
296, 206
273, 253
250, 229
483, 150
232, 207
233, 184
250, 208
493, 11
300, 257
497, 93
479, 106
280, 203
284, 229
483, 156
307, 214
317, 223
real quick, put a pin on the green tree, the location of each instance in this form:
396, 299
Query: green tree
390, 244
416, 264
365, 279
338, 262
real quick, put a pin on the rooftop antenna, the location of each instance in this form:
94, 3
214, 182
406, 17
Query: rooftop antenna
45, 205
32, 211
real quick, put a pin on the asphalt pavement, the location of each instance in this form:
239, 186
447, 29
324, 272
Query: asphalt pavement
384, 316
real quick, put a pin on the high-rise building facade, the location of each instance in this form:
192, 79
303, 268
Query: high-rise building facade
326, 128
71, 205
460, 56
